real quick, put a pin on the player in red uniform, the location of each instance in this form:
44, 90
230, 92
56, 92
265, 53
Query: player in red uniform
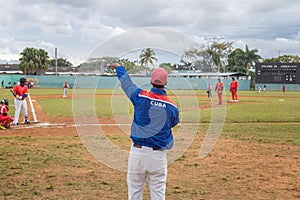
219, 89
20, 94
209, 94
233, 89
283, 88
5, 120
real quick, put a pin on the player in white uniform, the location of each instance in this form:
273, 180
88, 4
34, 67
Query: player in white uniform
66, 87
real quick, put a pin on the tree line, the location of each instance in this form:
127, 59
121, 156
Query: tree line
35, 61
213, 55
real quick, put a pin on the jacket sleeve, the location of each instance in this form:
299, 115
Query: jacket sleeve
176, 118
126, 82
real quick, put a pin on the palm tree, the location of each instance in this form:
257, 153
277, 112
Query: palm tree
43, 61
27, 62
251, 57
147, 56
34, 61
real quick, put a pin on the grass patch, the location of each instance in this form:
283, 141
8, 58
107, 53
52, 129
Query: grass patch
264, 110
280, 133
270, 116
269, 107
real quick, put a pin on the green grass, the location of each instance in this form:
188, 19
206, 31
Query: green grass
264, 110
279, 133
256, 107
85, 106
247, 119
57, 107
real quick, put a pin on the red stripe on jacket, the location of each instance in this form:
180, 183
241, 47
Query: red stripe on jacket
155, 96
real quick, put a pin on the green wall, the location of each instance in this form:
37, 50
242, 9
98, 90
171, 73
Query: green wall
111, 82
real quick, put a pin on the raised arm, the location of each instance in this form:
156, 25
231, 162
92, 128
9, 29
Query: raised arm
126, 82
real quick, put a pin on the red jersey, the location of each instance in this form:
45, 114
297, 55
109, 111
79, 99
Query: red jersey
21, 90
4, 109
234, 85
219, 86
66, 85
208, 87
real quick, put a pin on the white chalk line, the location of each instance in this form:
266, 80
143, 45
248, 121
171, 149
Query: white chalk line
62, 125
49, 125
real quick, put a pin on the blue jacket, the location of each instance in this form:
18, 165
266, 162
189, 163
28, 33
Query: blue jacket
154, 114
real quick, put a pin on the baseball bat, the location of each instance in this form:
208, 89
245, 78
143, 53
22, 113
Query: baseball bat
13, 92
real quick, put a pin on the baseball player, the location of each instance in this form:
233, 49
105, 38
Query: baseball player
151, 133
283, 88
233, 89
219, 89
209, 94
66, 86
5, 120
20, 93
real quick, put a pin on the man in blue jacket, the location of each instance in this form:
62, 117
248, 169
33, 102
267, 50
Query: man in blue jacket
151, 133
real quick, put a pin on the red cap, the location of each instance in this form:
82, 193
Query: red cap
159, 76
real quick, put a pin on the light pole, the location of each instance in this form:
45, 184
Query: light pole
55, 61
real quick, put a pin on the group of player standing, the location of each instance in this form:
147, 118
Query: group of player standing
20, 93
219, 90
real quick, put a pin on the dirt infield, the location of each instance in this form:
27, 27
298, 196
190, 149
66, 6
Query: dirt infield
235, 169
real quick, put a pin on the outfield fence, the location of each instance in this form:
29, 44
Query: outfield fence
277, 87
112, 82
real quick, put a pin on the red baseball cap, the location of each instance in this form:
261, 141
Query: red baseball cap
159, 76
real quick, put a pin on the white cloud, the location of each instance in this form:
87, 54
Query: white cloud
10, 48
281, 40
297, 36
135, 39
77, 27
271, 48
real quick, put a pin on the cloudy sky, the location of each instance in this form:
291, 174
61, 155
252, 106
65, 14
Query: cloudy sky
76, 27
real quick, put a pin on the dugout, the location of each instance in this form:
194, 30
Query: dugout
275, 75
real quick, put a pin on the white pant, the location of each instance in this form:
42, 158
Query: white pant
65, 92
18, 105
143, 161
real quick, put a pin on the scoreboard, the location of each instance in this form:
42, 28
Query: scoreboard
282, 73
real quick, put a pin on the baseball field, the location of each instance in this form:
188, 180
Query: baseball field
256, 155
